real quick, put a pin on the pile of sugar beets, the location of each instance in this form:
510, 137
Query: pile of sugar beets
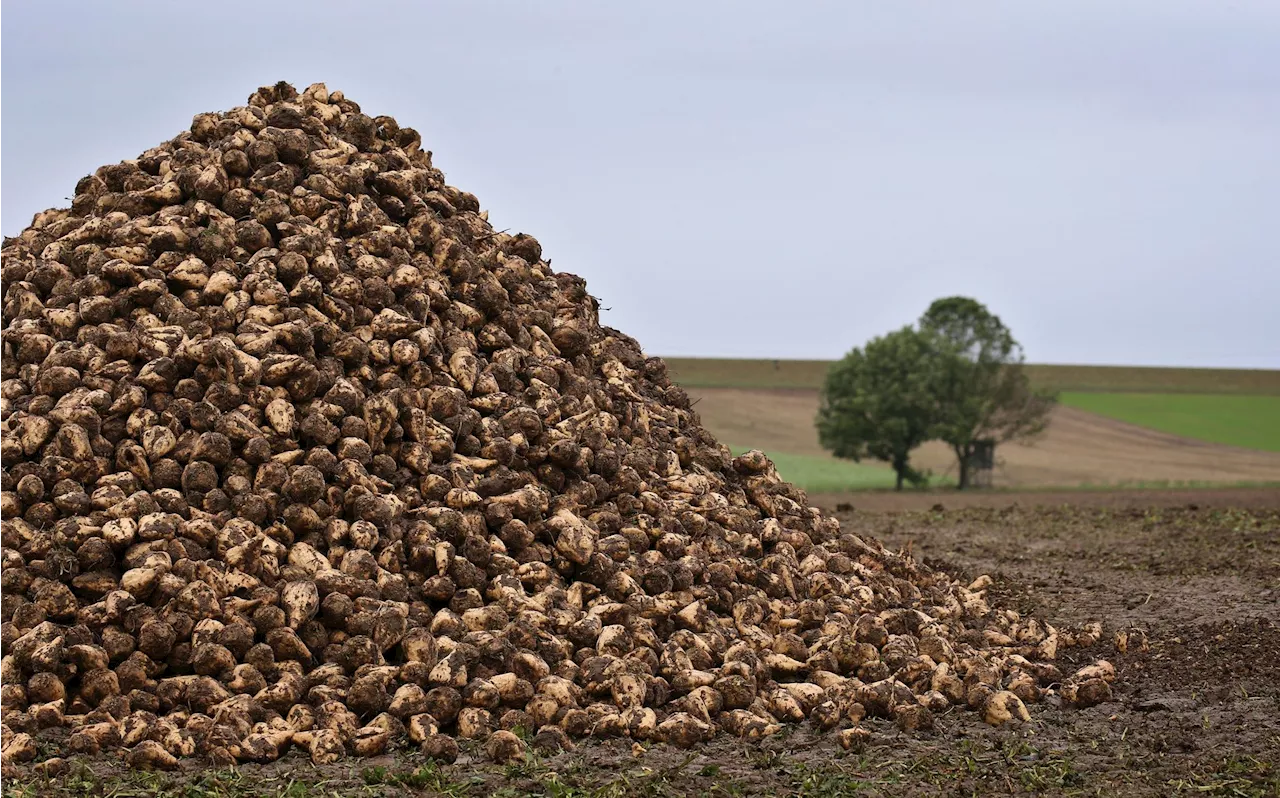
299, 452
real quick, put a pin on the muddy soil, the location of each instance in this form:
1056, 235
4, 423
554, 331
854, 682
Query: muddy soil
1196, 713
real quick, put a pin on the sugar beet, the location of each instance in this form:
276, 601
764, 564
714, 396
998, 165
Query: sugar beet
300, 451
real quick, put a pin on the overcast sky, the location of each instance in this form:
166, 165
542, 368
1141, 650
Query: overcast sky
751, 179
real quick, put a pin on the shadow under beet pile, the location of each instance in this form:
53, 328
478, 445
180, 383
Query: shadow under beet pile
300, 452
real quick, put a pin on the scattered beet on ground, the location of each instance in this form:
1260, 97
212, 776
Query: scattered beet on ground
301, 454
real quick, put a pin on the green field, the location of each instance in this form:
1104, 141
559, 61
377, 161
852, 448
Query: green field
731, 373
826, 475
1252, 422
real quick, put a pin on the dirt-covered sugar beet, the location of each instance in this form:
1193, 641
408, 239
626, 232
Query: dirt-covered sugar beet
300, 452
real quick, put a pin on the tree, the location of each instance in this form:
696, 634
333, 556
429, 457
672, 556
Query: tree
877, 401
981, 388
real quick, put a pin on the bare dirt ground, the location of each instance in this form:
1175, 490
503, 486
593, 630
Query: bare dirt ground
1078, 447
1198, 713
951, 499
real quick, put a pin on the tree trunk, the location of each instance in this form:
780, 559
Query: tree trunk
900, 468
963, 455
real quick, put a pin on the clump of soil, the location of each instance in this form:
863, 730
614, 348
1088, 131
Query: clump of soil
300, 452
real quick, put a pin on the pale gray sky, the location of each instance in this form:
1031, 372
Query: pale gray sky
763, 179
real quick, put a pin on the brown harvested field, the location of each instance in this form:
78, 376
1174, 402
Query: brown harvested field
1152, 379
1079, 448
769, 419
694, 372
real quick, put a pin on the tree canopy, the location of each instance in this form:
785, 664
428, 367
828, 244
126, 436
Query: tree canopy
877, 402
956, 377
982, 391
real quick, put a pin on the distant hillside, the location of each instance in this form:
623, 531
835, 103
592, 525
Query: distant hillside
808, 374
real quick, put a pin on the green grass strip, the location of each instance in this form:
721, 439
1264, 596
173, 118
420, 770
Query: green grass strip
1252, 422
